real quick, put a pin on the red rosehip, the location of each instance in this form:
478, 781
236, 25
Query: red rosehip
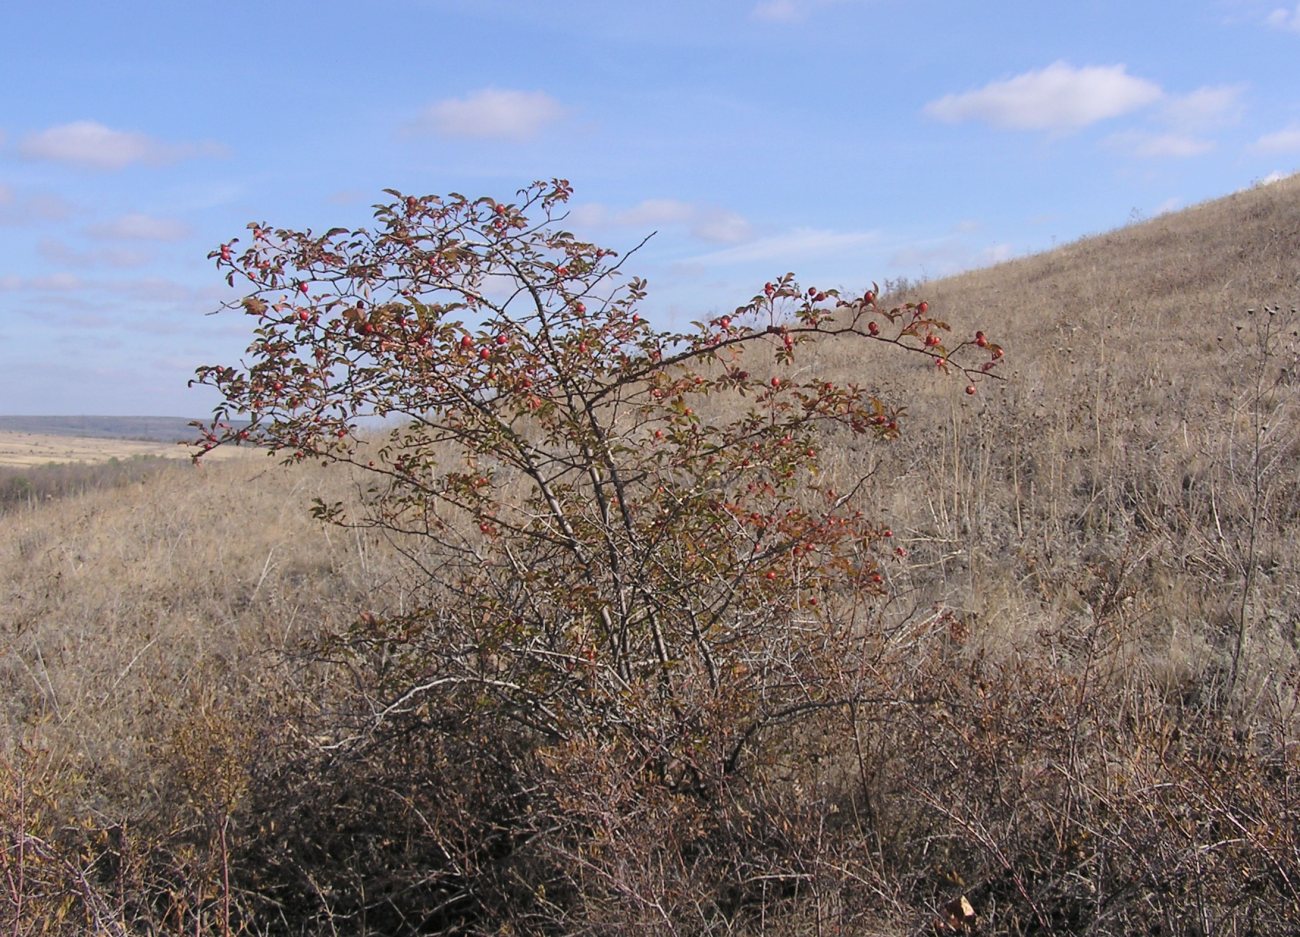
873, 329
302, 288
485, 353
225, 251
466, 343
923, 307
981, 340
776, 382
970, 390
502, 339
869, 298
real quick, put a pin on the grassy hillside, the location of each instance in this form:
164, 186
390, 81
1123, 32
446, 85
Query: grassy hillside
1098, 597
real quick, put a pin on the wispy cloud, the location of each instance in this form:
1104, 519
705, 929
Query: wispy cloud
140, 227
1159, 145
721, 227
948, 256
492, 114
65, 255
1204, 109
1058, 97
50, 283
705, 222
91, 145
787, 11
799, 243
78, 291
1282, 18
1281, 141
16, 209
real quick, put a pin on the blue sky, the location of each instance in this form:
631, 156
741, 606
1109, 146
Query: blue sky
845, 140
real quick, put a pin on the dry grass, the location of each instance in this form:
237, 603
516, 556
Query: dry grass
1101, 592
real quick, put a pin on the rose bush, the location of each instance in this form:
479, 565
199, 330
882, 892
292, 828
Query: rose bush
628, 689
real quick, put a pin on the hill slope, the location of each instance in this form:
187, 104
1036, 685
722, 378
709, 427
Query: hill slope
1135, 371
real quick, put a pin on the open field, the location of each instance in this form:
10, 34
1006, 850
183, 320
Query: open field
25, 450
1087, 706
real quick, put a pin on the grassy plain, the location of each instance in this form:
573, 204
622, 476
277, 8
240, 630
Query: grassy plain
1101, 589
22, 449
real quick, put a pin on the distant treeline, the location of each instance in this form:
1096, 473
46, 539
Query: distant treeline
20, 487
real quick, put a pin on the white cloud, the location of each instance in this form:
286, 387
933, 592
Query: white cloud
493, 114
91, 145
787, 11
1058, 97
1204, 109
1159, 145
54, 283
16, 209
1283, 141
721, 227
153, 289
1283, 18
947, 256
139, 227
801, 242
656, 211
704, 222
109, 256
778, 11
1276, 175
